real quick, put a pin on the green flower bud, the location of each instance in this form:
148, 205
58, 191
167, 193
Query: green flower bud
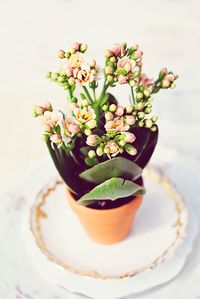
147, 110
109, 78
154, 128
131, 150
84, 103
149, 105
140, 124
72, 51
91, 154
67, 55
136, 74
105, 108
49, 75
132, 83
154, 118
99, 151
148, 123
61, 54
66, 85
74, 100
141, 115
113, 59
87, 132
122, 143
83, 48
150, 99
173, 85
134, 113
112, 108
54, 76
139, 95
61, 79
141, 88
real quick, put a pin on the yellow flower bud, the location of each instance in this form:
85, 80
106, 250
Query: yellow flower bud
109, 116
99, 151
61, 54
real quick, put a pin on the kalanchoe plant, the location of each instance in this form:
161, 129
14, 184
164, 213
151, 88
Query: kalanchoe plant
101, 149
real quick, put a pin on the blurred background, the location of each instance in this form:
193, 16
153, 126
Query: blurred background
31, 33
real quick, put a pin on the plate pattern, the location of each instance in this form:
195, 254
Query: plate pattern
38, 214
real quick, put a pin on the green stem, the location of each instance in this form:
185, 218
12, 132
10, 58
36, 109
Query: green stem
105, 87
70, 93
88, 95
133, 97
94, 94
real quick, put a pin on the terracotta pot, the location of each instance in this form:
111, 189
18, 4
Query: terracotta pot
106, 226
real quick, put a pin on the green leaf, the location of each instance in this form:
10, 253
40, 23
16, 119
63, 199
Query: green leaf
117, 167
111, 189
67, 167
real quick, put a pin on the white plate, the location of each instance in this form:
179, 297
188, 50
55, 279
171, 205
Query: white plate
63, 253
18, 279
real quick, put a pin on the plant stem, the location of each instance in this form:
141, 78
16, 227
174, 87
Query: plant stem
94, 94
70, 93
88, 94
133, 97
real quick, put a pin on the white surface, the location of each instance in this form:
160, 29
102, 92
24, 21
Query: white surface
15, 281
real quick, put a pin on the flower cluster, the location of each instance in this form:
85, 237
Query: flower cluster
61, 129
104, 126
123, 64
76, 70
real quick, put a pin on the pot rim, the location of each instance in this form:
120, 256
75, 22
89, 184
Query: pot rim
107, 211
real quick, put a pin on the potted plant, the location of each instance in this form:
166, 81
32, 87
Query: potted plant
101, 149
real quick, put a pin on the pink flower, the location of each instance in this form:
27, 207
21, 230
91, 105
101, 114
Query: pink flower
164, 70
128, 137
117, 125
52, 119
76, 46
39, 110
130, 119
122, 79
138, 53
56, 139
124, 64
68, 71
170, 77
116, 49
119, 111
92, 140
72, 127
145, 80
47, 106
